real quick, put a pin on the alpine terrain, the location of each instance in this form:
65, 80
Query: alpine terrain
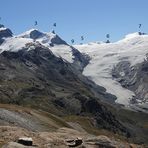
121, 68
95, 94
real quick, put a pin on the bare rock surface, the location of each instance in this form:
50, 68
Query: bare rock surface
58, 139
15, 145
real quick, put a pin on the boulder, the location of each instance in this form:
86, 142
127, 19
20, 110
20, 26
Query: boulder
25, 141
74, 142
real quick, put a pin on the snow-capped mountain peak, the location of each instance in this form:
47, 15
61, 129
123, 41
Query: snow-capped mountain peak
48, 39
36, 34
132, 35
28, 34
133, 38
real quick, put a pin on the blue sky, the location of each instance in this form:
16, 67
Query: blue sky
91, 18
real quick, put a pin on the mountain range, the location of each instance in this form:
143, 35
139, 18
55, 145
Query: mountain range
105, 84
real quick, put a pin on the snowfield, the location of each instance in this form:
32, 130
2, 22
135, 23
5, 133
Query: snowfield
14, 44
63, 51
2, 28
104, 57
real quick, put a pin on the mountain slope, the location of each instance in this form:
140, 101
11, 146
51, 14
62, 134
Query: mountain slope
40, 80
31, 75
48, 130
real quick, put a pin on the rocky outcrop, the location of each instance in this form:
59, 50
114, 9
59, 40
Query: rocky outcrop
125, 74
104, 117
141, 87
27, 141
74, 142
134, 78
4, 33
80, 60
57, 40
35, 34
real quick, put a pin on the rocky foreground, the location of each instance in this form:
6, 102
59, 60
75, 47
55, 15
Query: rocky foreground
50, 131
9, 135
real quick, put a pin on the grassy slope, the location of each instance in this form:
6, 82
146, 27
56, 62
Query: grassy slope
50, 122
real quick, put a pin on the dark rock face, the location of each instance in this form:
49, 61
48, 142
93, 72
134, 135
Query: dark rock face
104, 117
141, 85
2, 26
80, 60
1, 41
134, 78
124, 73
108, 41
4, 33
57, 40
35, 34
